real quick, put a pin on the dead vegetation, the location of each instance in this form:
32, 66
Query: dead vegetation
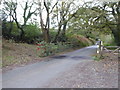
19, 54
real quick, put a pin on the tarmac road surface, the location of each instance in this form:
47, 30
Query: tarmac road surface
40, 74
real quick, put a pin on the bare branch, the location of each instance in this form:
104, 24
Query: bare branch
54, 6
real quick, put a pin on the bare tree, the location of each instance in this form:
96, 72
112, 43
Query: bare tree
8, 11
11, 6
63, 14
45, 26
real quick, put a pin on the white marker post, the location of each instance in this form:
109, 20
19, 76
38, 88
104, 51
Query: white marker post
100, 48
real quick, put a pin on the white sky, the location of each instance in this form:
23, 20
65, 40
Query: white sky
22, 2
20, 10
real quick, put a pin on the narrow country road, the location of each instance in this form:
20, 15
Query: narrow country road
56, 72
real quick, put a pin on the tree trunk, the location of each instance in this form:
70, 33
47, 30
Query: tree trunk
64, 29
11, 27
19, 27
22, 34
116, 32
117, 35
58, 33
118, 25
46, 35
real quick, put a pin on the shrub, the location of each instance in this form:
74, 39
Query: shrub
6, 30
52, 35
32, 32
79, 40
47, 49
15, 30
92, 40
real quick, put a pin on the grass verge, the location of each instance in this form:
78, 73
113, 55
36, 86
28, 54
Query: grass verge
20, 54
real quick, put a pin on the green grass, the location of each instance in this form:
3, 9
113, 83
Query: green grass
97, 57
8, 60
17, 53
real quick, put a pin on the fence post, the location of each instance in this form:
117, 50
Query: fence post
100, 49
119, 54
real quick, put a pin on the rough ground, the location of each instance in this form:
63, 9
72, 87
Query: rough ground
92, 74
19, 54
73, 70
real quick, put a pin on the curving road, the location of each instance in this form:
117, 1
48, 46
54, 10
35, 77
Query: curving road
44, 74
